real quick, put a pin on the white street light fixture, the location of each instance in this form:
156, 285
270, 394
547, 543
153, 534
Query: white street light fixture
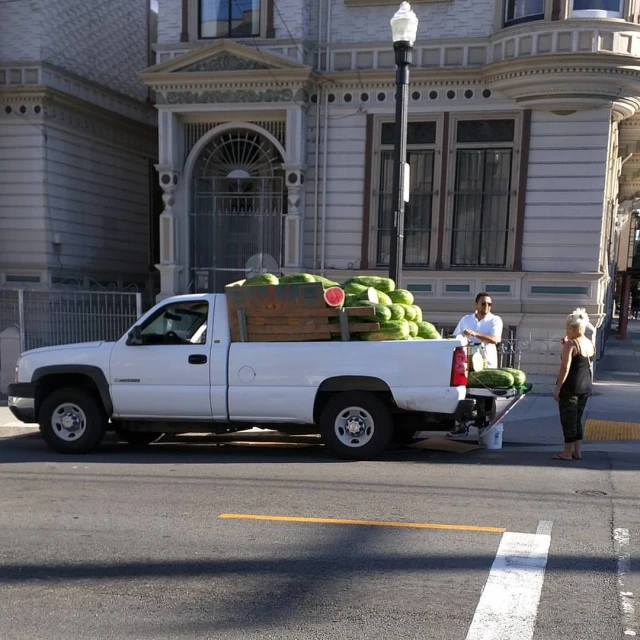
404, 24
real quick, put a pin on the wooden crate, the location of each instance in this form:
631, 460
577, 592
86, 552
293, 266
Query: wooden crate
289, 313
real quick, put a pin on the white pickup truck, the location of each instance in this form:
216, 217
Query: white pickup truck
177, 371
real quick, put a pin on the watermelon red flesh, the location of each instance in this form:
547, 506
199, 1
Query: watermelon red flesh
334, 296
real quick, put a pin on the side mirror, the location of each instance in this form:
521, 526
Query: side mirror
135, 336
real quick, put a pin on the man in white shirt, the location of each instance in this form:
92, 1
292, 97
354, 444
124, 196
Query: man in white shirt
483, 327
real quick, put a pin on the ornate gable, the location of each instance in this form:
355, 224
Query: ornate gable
226, 72
226, 62
221, 56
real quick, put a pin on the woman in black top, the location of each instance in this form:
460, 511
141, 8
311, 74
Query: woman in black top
573, 386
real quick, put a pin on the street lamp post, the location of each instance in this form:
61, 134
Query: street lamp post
404, 27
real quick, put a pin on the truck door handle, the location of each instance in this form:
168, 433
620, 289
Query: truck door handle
197, 359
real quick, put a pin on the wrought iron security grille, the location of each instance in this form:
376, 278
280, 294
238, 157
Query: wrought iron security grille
481, 208
238, 202
417, 229
236, 230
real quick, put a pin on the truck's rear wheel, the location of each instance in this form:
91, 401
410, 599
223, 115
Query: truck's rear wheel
137, 438
356, 425
72, 421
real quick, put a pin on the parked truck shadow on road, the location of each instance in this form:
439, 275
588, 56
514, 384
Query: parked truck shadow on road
29, 448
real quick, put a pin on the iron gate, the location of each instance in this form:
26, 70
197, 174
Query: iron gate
236, 230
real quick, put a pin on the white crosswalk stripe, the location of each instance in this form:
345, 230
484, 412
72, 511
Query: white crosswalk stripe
508, 605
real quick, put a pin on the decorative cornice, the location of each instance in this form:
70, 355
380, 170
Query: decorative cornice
570, 83
37, 74
385, 78
199, 80
233, 96
624, 108
225, 62
20, 95
82, 116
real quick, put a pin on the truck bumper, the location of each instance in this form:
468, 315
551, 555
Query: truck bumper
22, 402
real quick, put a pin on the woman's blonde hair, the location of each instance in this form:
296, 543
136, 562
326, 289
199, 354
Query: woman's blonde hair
579, 319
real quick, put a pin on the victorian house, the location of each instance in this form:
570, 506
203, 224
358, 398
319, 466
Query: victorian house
77, 144
276, 127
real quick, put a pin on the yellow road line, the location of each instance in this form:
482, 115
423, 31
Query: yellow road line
611, 430
369, 523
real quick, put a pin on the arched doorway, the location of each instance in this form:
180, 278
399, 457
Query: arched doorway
238, 202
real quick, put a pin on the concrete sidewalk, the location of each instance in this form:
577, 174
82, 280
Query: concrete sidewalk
535, 423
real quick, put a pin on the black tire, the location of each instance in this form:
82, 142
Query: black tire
80, 402
378, 426
137, 438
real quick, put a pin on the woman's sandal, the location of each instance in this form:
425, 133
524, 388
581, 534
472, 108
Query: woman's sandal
559, 457
575, 457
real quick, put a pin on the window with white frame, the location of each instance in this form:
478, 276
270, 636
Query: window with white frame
517, 11
421, 142
596, 9
482, 192
229, 18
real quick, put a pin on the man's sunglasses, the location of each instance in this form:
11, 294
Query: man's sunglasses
486, 304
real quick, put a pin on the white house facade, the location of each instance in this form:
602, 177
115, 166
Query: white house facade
77, 143
276, 136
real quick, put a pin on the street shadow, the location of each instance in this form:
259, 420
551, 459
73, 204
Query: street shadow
30, 448
246, 592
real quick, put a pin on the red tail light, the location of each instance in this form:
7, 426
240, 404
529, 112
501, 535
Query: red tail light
459, 368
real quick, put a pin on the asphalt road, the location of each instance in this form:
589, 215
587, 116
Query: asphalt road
124, 544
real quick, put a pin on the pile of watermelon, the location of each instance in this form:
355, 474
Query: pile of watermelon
399, 317
504, 378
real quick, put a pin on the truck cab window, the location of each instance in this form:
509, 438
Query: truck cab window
177, 323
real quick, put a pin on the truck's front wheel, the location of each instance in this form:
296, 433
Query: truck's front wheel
72, 421
356, 425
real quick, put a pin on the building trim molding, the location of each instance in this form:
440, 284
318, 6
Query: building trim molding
184, 33
367, 192
442, 211
525, 144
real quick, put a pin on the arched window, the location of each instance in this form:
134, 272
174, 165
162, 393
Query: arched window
237, 206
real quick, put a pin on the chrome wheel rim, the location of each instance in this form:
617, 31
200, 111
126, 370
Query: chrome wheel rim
69, 422
354, 427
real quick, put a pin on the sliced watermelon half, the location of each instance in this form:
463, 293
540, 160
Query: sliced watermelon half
371, 295
334, 297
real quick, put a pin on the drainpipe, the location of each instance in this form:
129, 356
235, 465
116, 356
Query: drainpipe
324, 180
317, 159
317, 182
325, 140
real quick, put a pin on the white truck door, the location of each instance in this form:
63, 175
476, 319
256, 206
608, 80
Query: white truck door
164, 372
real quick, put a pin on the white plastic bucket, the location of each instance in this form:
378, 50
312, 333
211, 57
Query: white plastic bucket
492, 438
